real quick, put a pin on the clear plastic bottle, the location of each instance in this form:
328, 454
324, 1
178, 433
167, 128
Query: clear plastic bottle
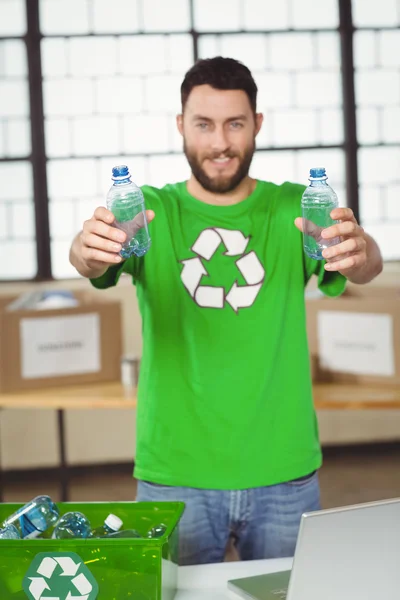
157, 531
35, 517
112, 524
72, 525
317, 203
126, 201
125, 533
9, 532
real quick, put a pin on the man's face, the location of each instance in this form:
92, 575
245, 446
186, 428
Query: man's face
219, 130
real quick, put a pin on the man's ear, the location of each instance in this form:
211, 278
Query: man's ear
179, 123
259, 121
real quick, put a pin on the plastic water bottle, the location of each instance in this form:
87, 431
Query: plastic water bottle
317, 203
125, 200
157, 531
9, 532
35, 517
72, 525
125, 533
112, 524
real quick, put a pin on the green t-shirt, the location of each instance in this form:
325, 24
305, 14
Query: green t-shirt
225, 394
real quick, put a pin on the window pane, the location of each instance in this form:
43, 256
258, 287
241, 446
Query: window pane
17, 137
224, 15
17, 231
12, 17
115, 16
163, 16
375, 14
64, 16
306, 15
14, 58
261, 15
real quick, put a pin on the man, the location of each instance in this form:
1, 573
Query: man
225, 417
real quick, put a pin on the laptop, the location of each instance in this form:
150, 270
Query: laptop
347, 553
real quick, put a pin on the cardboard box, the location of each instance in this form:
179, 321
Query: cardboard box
64, 346
356, 337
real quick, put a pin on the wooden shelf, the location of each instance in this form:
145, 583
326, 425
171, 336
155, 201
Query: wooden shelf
83, 397
355, 396
327, 396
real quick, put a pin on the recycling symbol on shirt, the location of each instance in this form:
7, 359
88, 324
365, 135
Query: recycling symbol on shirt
59, 576
249, 265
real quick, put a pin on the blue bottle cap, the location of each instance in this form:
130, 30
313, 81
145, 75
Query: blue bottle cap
318, 172
120, 172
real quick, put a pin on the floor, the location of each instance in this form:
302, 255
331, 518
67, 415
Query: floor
349, 475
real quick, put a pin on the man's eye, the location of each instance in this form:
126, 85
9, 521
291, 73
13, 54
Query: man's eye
236, 125
202, 126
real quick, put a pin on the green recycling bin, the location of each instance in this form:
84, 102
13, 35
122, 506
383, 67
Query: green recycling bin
95, 569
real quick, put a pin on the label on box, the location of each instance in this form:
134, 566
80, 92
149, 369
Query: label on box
57, 346
359, 343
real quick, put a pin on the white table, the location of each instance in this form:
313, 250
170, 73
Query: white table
209, 582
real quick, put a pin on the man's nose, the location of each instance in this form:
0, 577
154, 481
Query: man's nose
220, 142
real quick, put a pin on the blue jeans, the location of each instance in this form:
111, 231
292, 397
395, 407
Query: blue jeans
263, 522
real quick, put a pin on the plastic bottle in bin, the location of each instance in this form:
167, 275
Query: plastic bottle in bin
72, 525
157, 531
9, 532
112, 524
34, 518
317, 203
125, 533
126, 201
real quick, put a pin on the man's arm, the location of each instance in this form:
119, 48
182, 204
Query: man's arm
357, 256
97, 246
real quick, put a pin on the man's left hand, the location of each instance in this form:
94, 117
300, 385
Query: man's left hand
350, 254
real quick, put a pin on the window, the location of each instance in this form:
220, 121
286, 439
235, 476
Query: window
106, 91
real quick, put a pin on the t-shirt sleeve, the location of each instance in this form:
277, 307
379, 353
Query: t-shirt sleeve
330, 283
131, 266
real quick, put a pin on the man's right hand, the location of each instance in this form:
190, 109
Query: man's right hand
99, 243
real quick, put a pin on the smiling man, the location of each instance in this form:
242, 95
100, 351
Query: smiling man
225, 418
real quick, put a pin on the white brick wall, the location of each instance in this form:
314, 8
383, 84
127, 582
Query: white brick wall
226, 15
391, 125
318, 89
291, 51
147, 133
306, 15
250, 49
17, 137
377, 87
68, 97
91, 56
14, 98
265, 15
95, 136
389, 48
393, 203
58, 17
375, 14
295, 127
378, 165
368, 125
12, 17
116, 15
164, 16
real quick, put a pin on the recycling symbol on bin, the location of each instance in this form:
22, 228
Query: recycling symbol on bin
59, 576
249, 265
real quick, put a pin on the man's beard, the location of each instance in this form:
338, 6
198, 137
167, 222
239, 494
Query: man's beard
220, 185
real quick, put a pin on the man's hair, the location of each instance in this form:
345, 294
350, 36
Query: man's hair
221, 74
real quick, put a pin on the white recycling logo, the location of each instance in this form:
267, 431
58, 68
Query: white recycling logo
41, 582
249, 265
